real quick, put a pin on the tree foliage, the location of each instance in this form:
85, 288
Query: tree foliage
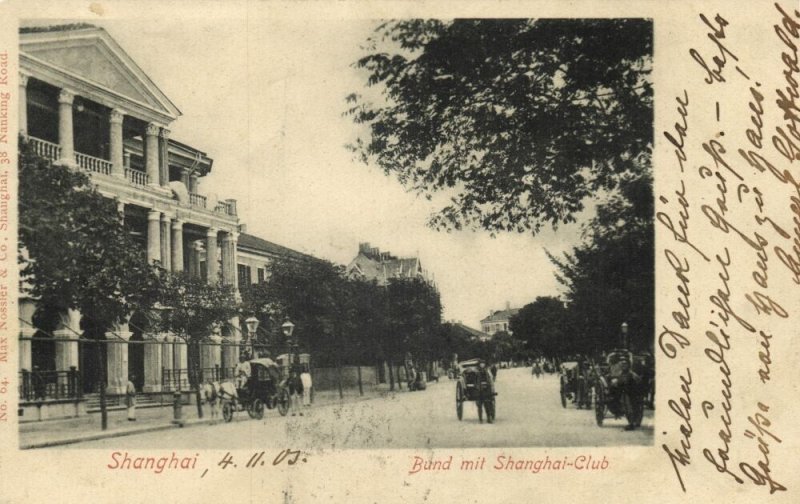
74, 250
521, 119
191, 307
610, 278
543, 326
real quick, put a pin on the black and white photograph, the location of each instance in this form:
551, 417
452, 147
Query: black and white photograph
378, 251
411, 233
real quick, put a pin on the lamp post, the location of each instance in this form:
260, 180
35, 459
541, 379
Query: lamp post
252, 326
625, 335
288, 329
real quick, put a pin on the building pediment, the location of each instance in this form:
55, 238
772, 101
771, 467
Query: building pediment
90, 62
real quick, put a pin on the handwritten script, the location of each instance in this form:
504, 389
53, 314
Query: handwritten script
730, 217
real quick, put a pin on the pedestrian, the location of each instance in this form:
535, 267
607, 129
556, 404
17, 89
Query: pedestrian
130, 399
494, 371
242, 372
295, 390
211, 396
305, 379
39, 384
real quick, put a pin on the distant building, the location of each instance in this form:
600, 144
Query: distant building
498, 320
372, 264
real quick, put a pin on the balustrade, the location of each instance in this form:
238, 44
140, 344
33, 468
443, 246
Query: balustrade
136, 177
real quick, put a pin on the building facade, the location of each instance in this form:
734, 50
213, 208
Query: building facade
498, 320
85, 104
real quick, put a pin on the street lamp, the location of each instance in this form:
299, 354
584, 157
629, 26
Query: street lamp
252, 326
288, 329
625, 335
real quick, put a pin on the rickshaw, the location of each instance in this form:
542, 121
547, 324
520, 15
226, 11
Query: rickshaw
475, 385
620, 387
265, 389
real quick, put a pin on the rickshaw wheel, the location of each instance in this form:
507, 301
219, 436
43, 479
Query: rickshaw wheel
283, 402
257, 409
227, 411
563, 396
600, 406
459, 402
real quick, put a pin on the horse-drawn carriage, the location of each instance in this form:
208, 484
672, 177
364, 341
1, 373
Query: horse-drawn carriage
475, 384
622, 383
575, 381
265, 388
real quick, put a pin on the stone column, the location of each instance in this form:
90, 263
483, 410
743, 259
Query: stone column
163, 158
152, 364
229, 276
166, 254
185, 178
153, 236
115, 143
27, 307
167, 358
66, 340
151, 162
121, 211
65, 138
126, 160
177, 245
23, 106
212, 267
193, 183
117, 359
194, 259
181, 351
230, 352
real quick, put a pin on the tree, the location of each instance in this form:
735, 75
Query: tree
522, 120
610, 278
192, 307
415, 313
543, 327
73, 249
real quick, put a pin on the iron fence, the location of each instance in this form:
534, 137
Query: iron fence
50, 385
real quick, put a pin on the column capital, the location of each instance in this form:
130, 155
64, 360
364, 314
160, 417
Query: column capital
116, 335
212, 232
153, 215
23, 79
165, 218
177, 224
164, 133
66, 97
152, 129
116, 116
231, 236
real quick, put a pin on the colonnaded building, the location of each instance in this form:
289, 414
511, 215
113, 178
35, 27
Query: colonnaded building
86, 104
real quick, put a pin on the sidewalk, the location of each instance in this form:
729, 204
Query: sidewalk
87, 428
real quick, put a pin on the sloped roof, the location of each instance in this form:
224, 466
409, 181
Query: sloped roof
472, 332
501, 315
257, 244
87, 59
384, 268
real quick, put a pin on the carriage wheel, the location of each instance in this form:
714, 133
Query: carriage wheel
563, 396
257, 409
459, 402
600, 405
227, 411
633, 410
283, 402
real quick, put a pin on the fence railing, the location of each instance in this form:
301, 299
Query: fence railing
93, 164
136, 177
197, 200
45, 149
226, 208
50, 385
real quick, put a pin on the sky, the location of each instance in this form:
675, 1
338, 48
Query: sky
264, 98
